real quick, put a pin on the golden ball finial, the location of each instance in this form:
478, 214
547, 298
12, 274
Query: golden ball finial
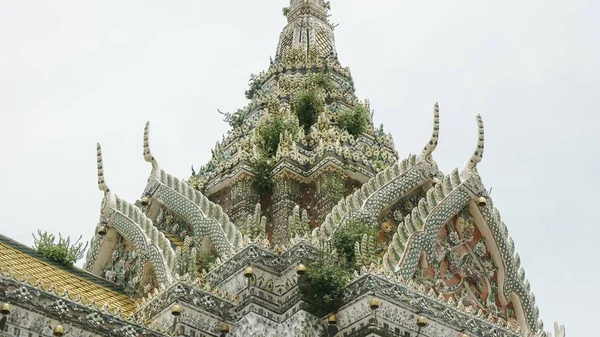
58, 330
374, 303
224, 328
176, 310
5, 309
248, 272
102, 230
332, 319
421, 322
301, 270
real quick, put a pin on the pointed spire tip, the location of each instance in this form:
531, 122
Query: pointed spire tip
433, 140
99, 166
478, 153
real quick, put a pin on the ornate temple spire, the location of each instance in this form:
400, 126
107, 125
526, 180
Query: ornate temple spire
308, 29
317, 8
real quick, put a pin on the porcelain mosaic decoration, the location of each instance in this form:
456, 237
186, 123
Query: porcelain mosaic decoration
303, 168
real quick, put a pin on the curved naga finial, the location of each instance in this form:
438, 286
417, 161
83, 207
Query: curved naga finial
433, 141
147, 154
559, 330
478, 154
101, 184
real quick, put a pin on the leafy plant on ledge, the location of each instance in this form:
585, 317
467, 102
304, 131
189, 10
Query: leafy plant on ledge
323, 285
269, 134
262, 183
254, 84
344, 241
307, 106
354, 120
235, 119
205, 260
323, 80
286, 11
62, 252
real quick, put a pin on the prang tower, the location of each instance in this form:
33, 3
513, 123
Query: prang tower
302, 170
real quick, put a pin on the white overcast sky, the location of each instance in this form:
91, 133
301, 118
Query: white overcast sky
73, 73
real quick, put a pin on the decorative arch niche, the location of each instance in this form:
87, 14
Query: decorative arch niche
467, 267
123, 265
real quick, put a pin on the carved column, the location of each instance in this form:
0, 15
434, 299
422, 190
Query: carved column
286, 195
243, 200
330, 188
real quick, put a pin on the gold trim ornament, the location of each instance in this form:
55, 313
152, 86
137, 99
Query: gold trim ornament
5, 309
58, 330
176, 310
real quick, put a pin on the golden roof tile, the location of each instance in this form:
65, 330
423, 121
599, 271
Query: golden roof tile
23, 264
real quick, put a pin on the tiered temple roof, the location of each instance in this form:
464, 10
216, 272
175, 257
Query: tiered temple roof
277, 189
27, 266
